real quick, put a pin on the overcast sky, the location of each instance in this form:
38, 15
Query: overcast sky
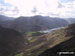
53, 8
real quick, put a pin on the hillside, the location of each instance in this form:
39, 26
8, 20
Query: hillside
5, 18
71, 20
37, 23
39, 44
6, 21
65, 46
34, 23
11, 42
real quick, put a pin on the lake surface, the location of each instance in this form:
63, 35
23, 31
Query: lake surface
50, 30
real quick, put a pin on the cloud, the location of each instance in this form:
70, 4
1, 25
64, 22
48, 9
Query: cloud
58, 8
8, 10
69, 8
26, 6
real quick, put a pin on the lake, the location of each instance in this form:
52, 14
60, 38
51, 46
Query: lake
50, 30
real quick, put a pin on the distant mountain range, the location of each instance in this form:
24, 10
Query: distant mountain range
34, 23
5, 18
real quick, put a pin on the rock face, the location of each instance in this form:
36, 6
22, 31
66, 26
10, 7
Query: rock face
66, 46
11, 42
34, 23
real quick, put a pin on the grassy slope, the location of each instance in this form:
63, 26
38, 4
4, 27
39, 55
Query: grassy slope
44, 42
59, 36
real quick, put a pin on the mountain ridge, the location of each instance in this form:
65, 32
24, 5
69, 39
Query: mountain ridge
34, 23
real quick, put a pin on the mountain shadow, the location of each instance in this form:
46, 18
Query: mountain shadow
66, 46
11, 42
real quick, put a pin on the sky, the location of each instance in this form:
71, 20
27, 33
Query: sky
52, 8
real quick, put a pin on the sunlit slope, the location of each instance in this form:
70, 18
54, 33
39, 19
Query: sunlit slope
45, 41
58, 36
67, 45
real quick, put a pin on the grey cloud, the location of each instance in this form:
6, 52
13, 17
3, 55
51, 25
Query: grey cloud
60, 5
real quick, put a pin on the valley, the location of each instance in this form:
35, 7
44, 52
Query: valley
40, 33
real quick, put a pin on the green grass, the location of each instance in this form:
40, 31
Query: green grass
30, 33
20, 54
